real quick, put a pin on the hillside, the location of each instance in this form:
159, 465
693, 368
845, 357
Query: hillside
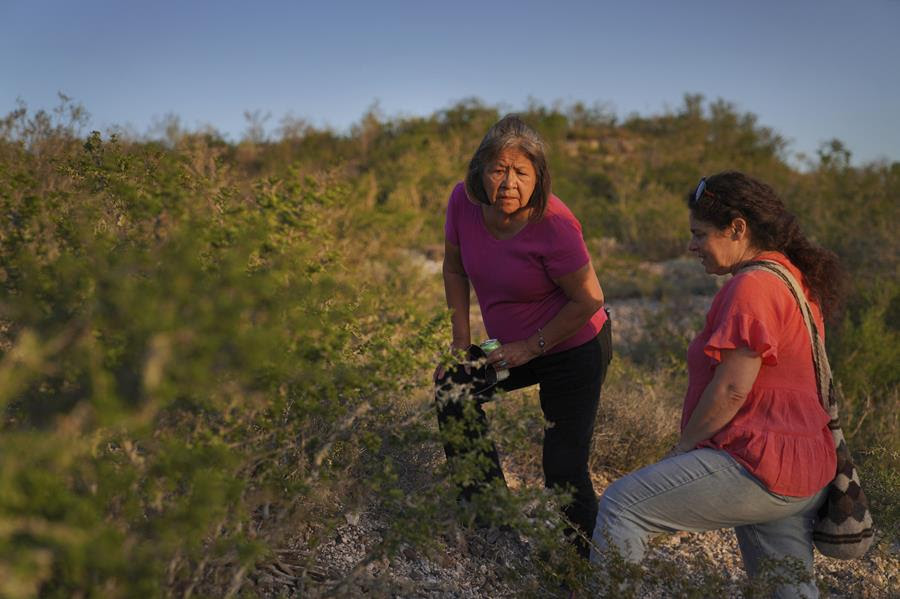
215, 357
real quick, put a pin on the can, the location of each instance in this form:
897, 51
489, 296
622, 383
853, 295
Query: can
489, 345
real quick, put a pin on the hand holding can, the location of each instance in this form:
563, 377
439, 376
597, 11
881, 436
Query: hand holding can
489, 345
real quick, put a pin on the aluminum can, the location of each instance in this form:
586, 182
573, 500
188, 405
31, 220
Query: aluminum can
489, 345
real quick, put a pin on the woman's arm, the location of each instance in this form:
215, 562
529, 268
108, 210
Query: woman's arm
722, 398
585, 298
456, 290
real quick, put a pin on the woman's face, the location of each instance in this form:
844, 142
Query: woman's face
510, 181
717, 249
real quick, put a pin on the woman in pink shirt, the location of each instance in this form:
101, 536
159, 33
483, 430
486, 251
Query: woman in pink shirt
755, 451
521, 250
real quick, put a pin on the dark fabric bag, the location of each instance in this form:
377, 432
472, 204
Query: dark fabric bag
843, 528
480, 378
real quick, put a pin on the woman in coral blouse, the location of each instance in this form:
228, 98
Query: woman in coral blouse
755, 451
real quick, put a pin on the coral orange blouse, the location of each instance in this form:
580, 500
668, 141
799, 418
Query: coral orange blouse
780, 434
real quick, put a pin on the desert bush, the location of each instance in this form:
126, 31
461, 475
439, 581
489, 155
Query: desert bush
639, 415
866, 351
177, 357
880, 468
209, 351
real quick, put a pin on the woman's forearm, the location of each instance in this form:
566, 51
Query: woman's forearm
723, 396
716, 408
585, 297
568, 321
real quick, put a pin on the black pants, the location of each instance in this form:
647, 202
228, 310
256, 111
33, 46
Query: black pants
570, 383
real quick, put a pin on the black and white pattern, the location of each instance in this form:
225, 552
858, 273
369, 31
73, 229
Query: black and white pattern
843, 529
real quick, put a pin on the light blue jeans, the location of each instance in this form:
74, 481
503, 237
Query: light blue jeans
707, 489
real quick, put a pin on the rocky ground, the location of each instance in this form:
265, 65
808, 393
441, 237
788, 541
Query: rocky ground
492, 563
479, 564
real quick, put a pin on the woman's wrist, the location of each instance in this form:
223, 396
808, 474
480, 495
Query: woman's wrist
461, 341
537, 344
682, 447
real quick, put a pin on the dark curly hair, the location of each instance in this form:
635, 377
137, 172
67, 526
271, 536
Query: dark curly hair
511, 132
732, 194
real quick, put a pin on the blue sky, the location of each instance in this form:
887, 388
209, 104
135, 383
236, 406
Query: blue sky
810, 69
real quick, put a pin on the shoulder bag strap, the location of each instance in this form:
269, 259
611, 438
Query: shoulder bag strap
824, 380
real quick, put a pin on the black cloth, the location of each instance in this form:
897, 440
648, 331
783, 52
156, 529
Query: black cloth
570, 383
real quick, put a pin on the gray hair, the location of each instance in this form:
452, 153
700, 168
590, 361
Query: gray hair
511, 132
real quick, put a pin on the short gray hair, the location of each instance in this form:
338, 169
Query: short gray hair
511, 132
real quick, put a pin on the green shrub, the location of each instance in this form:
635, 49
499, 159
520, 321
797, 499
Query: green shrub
212, 351
182, 355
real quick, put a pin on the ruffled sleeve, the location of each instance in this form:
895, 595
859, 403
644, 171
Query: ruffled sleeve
748, 316
742, 330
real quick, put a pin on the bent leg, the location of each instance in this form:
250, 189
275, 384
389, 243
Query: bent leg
701, 490
694, 491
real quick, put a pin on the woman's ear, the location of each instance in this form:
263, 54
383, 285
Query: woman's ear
739, 229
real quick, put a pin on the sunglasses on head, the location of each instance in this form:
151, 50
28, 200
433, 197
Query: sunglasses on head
701, 189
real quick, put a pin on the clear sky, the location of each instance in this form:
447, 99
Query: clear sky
810, 69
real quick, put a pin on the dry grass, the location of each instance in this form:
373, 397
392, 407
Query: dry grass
638, 417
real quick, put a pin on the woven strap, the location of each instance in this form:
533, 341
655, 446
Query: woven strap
843, 527
824, 380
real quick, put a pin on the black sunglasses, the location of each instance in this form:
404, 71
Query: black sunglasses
701, 189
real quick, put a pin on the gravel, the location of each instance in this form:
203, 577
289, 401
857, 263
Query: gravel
479, 563
492, 563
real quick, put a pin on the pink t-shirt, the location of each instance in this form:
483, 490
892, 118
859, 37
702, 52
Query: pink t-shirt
513, 278
780, 434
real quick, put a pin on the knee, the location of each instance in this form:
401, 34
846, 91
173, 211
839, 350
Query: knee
606, 508
613, 504
561, 473
615, 537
